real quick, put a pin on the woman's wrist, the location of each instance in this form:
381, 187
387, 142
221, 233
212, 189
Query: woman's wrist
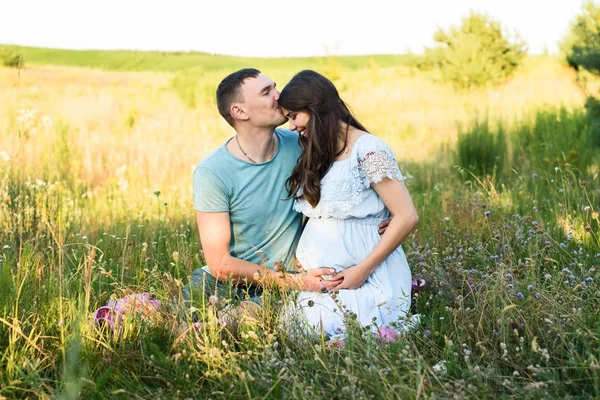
367, 269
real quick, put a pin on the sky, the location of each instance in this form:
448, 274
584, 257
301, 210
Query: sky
271, 28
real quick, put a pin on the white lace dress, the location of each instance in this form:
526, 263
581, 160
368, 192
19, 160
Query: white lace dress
342, 231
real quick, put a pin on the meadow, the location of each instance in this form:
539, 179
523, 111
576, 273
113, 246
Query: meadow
96, 158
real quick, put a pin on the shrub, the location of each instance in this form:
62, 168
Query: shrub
481, 150
581, 46
477, 53
10, 57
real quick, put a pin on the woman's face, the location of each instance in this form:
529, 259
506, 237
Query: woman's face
298, 121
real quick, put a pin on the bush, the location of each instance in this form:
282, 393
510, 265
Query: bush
581, 46
477, 53
482, 151
10, 57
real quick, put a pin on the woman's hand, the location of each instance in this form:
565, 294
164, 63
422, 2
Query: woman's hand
311, 280
350, 278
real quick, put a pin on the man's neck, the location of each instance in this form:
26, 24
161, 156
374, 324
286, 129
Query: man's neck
253, 145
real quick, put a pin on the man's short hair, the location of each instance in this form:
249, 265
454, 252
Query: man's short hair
229, 91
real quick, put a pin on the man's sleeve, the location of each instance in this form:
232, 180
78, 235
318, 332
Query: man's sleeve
210, 194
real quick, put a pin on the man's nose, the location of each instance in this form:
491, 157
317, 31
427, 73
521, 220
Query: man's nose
276, 94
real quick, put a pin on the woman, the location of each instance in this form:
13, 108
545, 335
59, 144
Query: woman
346, 182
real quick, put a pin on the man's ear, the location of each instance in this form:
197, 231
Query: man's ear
238, 112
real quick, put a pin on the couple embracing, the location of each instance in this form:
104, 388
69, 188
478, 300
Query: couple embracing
326, 194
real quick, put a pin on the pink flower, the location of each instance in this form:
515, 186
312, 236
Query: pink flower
386, 334
115, 311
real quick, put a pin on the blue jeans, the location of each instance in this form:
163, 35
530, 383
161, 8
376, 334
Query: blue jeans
203, 285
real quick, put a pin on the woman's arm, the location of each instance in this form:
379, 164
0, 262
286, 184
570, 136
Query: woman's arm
397, 199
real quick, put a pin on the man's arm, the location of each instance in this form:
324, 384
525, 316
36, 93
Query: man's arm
215, 236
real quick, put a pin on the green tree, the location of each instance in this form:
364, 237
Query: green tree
581, 48
477, 53
10, 57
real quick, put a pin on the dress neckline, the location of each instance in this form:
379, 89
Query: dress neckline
352, 148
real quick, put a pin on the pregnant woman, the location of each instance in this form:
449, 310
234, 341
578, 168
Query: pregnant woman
346, 182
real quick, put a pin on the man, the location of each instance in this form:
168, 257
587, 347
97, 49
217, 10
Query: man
248, 228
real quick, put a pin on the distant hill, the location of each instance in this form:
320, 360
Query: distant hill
126, 60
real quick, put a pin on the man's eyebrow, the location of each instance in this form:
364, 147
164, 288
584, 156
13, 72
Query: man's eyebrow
266, 88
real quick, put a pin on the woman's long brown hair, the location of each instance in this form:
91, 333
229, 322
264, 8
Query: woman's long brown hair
313, 93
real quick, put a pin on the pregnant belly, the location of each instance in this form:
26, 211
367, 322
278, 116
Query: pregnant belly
332, 243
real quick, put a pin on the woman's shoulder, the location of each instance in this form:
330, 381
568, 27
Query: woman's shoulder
368, 142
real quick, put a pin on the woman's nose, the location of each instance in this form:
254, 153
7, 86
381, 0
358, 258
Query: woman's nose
292, 126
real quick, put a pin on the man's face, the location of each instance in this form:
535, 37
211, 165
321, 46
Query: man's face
260, 102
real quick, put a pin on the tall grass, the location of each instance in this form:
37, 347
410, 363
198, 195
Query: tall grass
96, 204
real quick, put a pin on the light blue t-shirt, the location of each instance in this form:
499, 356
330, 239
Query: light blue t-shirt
264, 226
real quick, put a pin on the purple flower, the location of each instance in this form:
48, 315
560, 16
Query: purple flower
417, 285
427, 332
520, 295
104, 315
534, 175
487, 213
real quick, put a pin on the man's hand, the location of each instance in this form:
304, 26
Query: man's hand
383, 226
350, 278
311, 281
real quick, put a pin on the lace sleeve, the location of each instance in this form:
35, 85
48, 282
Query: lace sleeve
377, 161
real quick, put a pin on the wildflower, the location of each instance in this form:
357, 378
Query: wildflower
213, 299
427, 332
487, 213
520, 295
537, 295
175, 256
440, 368
386, 334
509, 276
586, 208
417, 285
116, 310
594, 215
534, 175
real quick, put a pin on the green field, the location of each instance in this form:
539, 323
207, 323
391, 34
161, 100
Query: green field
96, 157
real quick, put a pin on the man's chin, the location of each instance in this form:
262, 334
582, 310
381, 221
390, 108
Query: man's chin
283, 121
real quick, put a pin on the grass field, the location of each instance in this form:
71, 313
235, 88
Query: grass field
96, 157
